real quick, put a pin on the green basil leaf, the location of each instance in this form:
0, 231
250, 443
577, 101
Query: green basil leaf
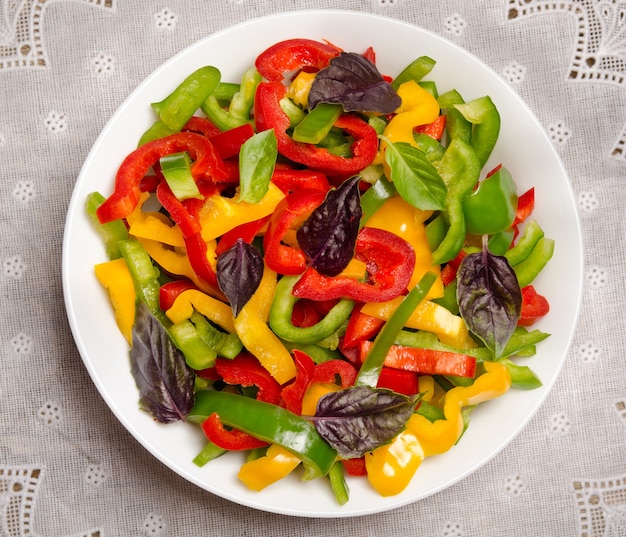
489, 297
414, 177
165, 382
328, 236
257, 159
239, 272
361, 418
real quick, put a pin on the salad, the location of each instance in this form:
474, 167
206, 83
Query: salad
314, 265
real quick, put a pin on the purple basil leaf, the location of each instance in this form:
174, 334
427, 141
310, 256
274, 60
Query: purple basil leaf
239, 272
489, 297
360, 419
328, 236
354, 82
164, 380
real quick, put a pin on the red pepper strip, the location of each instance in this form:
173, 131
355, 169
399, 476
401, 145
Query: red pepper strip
269, 115
399, 380
201, 125
246, 370
534, 306
292, 55
233, 440
305, 314
333, 370
247, 232
448, 273
198, 259
355, 467
360, 327
149, 183
178, 211
291, 211
228, 143
207, 164
170, 290
426, 361
370, 55
525, 206
288, 179
389, 260
496, 169
435, 129
293, 393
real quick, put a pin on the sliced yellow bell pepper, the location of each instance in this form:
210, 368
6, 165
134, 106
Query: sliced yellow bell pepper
430, 316
418, 107
391, 467
277, 463
439, 436
406, 221
213, 309
155, 226
313, 394
299, 88
116, 279
256, 335
220, 214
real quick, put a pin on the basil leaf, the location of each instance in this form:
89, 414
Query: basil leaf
239, 272
164, 380
354, 82
414, 176
257, 158
489, 297
360, 419
328, 236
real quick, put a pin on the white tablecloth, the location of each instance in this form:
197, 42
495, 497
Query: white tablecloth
69, 468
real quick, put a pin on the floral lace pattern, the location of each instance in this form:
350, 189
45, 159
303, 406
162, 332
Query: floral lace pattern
67, 465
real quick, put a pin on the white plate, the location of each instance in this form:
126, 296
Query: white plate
523, 147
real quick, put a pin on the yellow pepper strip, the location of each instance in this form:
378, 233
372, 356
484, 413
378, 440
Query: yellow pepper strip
298, 89
116, 279
406, 221
256, 335
426, 384
429, 316
220, 214
213, 309
155, 226
273, 466
418, 108
439, 436
313, 394
391, 467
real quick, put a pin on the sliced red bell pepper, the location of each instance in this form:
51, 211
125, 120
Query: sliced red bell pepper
247, 232
207, 165
389, 260
370, 55
332, 371
230, 439
169, 292
293, 55
305, 313
228, 143
246, 370
201, 125
426, 361
525, 206
534, 306
360, 327
399, 380
289, 179
435, 129
269, 115
355, 467
293, 393
448, 272
291, 210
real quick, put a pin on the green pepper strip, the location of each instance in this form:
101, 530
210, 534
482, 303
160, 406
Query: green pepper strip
176, 168
529, 269
338, 483
145, 277
371, 367
112, 232
175, 110
460, 169
485, 118
522, 376
238, 112
529, 239
270, 423
416, 70
282, 310
225, 344
209, 452
375, 196
456, 125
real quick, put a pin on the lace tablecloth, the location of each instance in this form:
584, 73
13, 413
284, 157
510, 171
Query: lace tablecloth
67, 466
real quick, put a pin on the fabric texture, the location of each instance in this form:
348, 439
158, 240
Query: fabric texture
69, 468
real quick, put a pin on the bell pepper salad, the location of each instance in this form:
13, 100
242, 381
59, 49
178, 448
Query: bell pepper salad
314, 266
